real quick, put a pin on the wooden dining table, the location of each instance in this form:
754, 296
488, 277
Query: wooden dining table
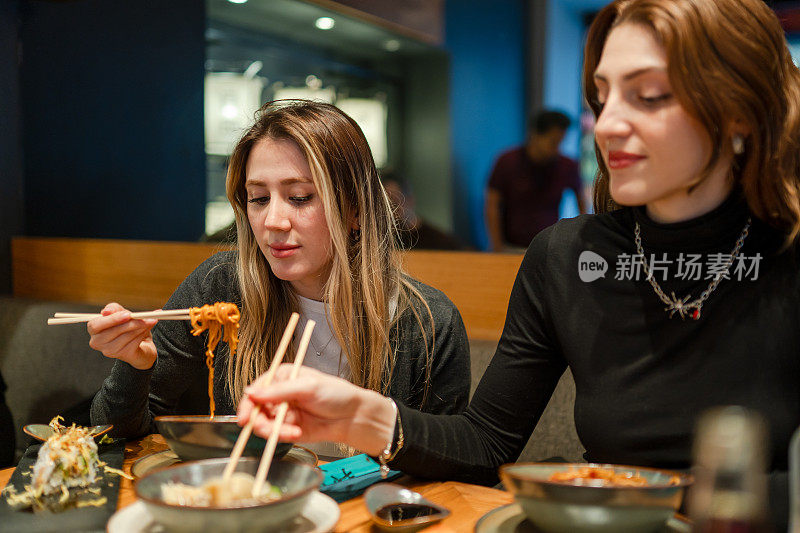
467, 503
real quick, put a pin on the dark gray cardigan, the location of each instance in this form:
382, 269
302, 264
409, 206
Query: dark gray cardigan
178, 382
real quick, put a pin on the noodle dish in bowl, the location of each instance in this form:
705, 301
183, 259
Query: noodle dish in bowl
581, 497
193, 496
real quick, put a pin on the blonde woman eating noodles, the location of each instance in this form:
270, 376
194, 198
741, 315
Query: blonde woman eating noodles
698, 198
315, 235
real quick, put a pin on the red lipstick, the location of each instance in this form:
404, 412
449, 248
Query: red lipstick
618, 159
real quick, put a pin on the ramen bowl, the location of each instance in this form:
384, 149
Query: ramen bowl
296, 482
197, 437
585, 506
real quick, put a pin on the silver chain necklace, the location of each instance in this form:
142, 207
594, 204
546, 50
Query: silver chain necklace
314, 346
686, 306
319, 352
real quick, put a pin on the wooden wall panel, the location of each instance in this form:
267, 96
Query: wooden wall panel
142, 275
137, 274
478, 283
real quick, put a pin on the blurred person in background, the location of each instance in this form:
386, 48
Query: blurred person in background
527, 183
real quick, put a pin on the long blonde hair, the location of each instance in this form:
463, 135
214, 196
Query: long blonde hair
366, 278
726, 59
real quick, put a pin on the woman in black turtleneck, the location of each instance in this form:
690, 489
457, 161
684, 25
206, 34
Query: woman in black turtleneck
698, 121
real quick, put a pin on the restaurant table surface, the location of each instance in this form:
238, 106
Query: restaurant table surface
467, 503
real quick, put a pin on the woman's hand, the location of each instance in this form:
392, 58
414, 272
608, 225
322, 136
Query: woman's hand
321, 408
118, 336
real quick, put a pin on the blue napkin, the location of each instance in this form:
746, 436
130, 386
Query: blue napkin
349, 477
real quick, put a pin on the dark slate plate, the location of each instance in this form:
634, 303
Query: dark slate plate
81, 519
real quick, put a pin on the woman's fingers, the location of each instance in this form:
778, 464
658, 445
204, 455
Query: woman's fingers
124, 344
244, 410
106, 330
288, 432
296, 390
265, 418
316, 402
118, 336
253, 393
110, 308
98, 325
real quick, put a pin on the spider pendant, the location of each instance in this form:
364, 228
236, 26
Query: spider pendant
680, 306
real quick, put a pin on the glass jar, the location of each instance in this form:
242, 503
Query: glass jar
730, 490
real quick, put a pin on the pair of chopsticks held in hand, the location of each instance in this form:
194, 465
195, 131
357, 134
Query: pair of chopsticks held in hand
272, 442
76, 318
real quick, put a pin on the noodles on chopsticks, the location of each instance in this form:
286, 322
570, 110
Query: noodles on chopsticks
222, 322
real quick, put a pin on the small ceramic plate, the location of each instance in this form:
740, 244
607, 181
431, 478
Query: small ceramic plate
156, 461
511, 519
152, 462
301, 455
43, 432
319, 516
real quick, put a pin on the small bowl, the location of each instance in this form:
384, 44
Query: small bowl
297, 482
560, 507
196, 437
387, 503
43, 432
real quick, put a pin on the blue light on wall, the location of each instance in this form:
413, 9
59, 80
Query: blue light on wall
486, 42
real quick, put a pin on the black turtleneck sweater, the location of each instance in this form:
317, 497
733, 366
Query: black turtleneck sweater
641, 377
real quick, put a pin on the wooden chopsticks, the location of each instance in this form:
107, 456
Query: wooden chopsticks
238, 448
269, 451
77, 318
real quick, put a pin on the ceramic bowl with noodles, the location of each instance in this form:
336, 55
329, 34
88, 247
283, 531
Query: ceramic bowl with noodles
191, 497
195, 437
583, 498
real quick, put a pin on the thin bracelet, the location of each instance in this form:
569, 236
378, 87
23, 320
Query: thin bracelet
387, 454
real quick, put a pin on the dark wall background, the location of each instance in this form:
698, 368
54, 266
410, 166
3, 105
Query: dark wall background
101, 116
112, 115
11, 185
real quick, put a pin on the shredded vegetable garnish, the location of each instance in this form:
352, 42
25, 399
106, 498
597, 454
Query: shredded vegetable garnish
117, 472
222, 322
99, 502
67, 460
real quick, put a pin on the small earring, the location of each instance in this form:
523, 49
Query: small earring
738, 143
355, 234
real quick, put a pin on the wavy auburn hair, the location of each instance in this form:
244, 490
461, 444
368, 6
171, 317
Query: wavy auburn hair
727, 59
366, 279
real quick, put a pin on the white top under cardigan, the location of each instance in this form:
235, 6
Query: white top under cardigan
324, 352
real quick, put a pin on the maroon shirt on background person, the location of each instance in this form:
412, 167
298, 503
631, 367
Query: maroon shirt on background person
531, 192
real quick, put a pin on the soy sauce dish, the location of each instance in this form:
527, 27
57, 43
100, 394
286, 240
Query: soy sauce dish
396, 508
